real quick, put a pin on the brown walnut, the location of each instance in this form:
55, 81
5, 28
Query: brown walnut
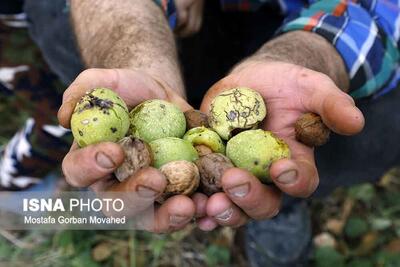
182, 176
311, 131
212, 167
195, 118
137, 156
203, 150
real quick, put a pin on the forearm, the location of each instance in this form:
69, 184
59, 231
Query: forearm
127, 34
305, 49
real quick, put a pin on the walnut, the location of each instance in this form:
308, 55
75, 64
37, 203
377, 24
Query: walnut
236, 110
311, 131
203, 150
212, 167
195, 118
137, 156
182, 176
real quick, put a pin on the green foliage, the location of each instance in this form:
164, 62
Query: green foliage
380, 224
385, 259
363, 192
360, 263
356, 227
83, 259
5, 250
328, 257
217, 256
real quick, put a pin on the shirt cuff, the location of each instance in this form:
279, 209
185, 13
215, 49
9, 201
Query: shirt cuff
168, 6
370, 54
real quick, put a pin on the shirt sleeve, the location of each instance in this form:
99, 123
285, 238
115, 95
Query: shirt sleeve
168, 6
366, 35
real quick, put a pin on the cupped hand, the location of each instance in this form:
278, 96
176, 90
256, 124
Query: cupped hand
289, 91
93, 166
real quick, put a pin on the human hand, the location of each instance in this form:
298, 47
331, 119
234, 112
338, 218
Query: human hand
93, 166
289, 91
190, 16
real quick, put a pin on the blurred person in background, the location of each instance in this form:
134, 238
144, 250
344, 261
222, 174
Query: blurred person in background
302, 56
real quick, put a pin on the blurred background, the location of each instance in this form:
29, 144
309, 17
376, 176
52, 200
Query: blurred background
353, 227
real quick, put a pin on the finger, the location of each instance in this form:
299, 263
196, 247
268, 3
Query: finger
200, 201
297, 176
182, 18
337, 109
83, 167
187, 30
174, 214
139, 191
224, 211
207, 224
191, 26
257, 200
199, 18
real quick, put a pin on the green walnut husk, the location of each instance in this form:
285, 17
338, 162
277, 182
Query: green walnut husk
236, 110
100, 116
255, 151
207, 137
155, 119
171, 149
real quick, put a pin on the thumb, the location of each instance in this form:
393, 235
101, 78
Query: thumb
336, 108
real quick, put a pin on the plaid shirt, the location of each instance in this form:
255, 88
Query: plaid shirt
366, 33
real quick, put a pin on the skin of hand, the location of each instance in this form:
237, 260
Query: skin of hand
190, 16
93, 166
289, 91
131, 50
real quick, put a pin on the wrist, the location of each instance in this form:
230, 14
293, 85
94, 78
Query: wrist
304, 49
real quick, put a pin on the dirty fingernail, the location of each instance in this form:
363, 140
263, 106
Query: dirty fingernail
240, 190
175, 220
288, 177
104, 161
146, 192
225, 216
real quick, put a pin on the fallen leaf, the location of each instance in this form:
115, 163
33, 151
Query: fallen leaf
335, 226
393, 246
368, 243
102, 251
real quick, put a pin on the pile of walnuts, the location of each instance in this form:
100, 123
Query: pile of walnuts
191, 149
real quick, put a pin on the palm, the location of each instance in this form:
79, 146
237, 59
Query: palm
290, 91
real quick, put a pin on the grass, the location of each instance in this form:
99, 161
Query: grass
354, 227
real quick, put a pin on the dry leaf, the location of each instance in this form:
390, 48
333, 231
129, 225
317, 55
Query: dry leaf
367, 244
393, 246
102, 251
335, 226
